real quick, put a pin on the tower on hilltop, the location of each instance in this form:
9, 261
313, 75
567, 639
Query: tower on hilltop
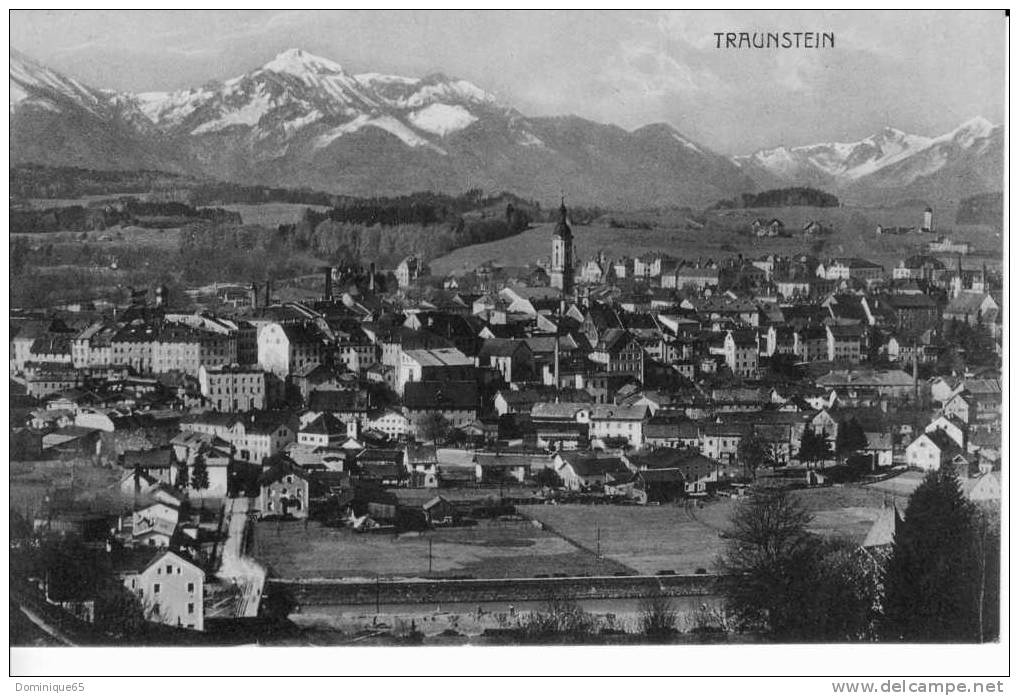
561, 271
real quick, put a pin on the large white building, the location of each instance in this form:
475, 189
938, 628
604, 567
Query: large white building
233, 388
171, 588
612, 421
284, 348
417, 365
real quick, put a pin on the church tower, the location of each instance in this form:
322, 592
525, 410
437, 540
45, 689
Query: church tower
561, 270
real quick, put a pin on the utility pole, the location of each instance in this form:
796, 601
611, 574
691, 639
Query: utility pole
378, 592
599, 541
429, 556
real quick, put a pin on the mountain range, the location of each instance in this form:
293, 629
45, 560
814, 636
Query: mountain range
303, 121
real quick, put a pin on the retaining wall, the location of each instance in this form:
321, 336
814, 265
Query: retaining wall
339, 592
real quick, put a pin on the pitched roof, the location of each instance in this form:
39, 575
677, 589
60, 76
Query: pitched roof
595, 466
882, 532
510, 459
336, 400
438, 357
439, 395
500, 347
614, 412
564, 410
160, 458
325, 424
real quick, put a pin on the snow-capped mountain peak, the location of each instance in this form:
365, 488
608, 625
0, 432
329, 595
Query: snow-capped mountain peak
969, 132
300, 119
298, 62
842, 163
32, 83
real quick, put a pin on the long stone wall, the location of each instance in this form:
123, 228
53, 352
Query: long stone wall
339, 592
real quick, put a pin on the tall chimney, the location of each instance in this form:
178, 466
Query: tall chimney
328, 272
371, 276
253, 295
556, 368
268, 292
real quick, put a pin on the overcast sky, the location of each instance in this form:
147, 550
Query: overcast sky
923, 72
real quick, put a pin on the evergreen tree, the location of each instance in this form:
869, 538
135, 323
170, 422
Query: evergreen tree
814, 447
850, 438
932, 584
754, 453
182, 473
200, 474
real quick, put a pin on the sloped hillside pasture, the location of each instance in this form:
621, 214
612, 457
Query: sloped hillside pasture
725, 234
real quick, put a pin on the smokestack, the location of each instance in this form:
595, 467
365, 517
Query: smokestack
328, 272
556, 344
268, 292
253, 295
371, 276
916, 380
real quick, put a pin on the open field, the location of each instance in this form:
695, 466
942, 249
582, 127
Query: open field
492, 549
109, 239
853, 236
647, 539
900, 487
270, 214
684, 538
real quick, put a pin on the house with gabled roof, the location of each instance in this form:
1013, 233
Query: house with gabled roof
512, 358
932, 450
155, 524
609, 421
586, 471
456, 401
324, 431
953, 427
169, 584
843, 343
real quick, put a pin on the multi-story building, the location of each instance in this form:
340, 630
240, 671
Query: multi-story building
91, 347
417, 365
324, 431
620, 352
741, 352
392, 422
355, 350
285, 348
233, 388
843, 343
455, 401
855, 268
170, 586
161, 347
612, 421
810, 343
911, 314
698, 277
255, 436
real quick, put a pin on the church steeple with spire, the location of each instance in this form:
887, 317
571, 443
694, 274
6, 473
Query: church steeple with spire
561, 270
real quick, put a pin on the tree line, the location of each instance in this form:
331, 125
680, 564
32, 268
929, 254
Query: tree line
126, 211
781, 198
